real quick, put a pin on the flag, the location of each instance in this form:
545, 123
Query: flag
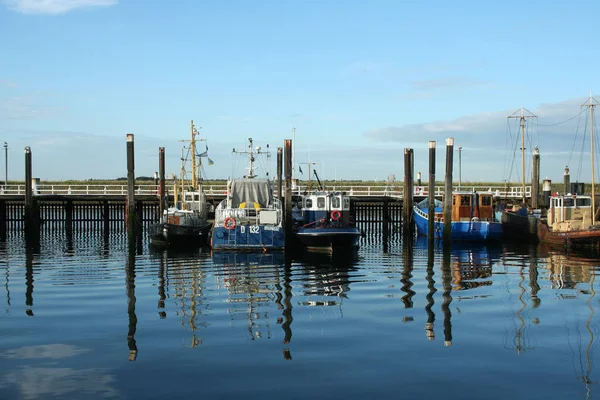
300, 169
210, 162
205, 154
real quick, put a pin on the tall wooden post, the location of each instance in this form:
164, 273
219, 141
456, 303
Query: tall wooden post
279, 172
448, 191
567, 181
161, 177
288, 191
130, 206
407, 204
31, 211
535, 179
431, 198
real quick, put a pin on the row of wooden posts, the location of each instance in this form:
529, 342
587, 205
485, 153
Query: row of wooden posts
284, 186
388, 214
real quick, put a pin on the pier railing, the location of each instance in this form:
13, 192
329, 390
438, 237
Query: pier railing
221, 190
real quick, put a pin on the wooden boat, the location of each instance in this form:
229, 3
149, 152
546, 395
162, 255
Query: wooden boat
185, 224
571, 220
323, 222
520, 224
472, 217
250, 217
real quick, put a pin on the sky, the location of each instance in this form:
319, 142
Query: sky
359, 81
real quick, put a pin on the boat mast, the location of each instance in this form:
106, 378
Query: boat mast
251, 152
193, 151
522, 119
591, 105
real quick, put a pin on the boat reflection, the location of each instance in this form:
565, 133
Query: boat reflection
325, 279
253, 282
573, 275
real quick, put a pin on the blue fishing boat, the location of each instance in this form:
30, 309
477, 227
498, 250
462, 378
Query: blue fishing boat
472, 217
323, 222
250, 217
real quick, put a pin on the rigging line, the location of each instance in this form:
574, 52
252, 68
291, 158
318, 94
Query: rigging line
574, 141
582, 151
567, 120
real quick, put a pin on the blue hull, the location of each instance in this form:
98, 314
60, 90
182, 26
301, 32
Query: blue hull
248, 237
462, 230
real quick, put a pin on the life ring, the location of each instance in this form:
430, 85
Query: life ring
229, 223
255, 204
335, 215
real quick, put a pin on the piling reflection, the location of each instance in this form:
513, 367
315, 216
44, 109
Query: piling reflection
30, 255
407, 270
131, 300
447, 298
429, 325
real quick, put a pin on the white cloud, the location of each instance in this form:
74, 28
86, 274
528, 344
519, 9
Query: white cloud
25, 107
54, 7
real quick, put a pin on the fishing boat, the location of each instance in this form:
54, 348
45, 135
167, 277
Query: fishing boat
520, 223
186, 223
472, 217
323, 222
250, 217
571, 219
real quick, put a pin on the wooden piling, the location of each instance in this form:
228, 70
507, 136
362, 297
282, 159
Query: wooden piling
407, 210
279, 172
130, 207
448, 191
31, 213
431, 197
419, 178
535, 179
288, 191
161, 185
386, 223
567, 181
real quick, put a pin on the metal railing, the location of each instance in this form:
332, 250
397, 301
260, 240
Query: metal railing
221, 190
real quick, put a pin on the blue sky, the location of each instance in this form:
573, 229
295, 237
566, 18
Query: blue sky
359, 81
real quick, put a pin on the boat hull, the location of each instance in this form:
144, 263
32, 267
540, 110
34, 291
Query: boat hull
328, 239
519, 227
248, 237
461, 230
583, 238
166, 234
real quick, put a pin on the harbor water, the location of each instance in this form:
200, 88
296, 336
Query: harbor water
93, 317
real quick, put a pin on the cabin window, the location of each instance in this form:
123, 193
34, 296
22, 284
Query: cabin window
583, 202
346, 203
569, 202
465, 201
308, 203
320, 202
335, 202
486, 201
454, 201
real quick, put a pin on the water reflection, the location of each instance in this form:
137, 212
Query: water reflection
131, 300
251, 280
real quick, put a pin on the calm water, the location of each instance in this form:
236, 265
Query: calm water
87, 318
